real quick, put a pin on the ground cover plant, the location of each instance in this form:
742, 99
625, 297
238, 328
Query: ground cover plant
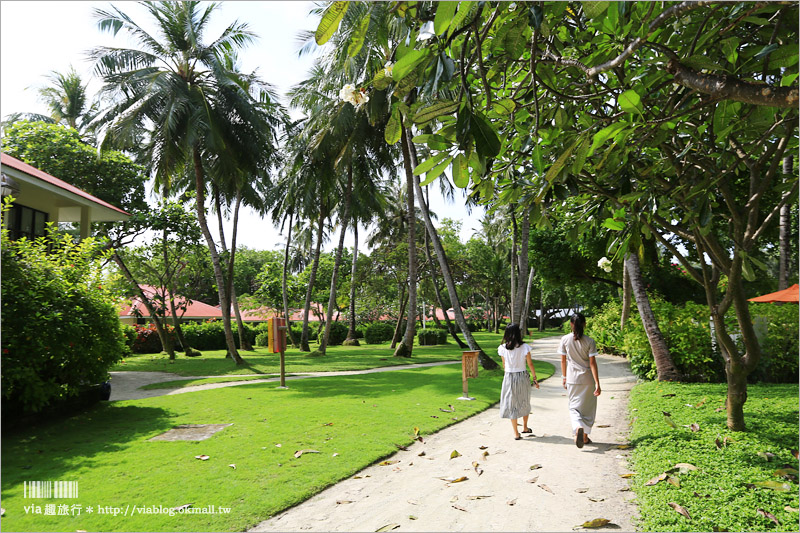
741, 480
338, 358
252, 466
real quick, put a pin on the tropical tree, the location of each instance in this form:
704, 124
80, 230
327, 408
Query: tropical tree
199, 113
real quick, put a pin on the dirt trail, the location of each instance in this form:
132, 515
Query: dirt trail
570, 487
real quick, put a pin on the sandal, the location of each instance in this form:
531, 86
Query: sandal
529, 430
518, 437
579, 438
587, 440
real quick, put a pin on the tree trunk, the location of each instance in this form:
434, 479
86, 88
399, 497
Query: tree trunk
626, 295
784, 232
514, 238
403, 302
212, 249
284, 285
664, 365
348, 195
244, 342
487, 362
304, 347
522, 281
406, 348
524, 320
166, 341
351, 332
541, 311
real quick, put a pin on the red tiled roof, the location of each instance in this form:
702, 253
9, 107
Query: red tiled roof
15, 163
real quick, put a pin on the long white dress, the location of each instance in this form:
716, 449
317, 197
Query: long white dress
515, 393
580, 382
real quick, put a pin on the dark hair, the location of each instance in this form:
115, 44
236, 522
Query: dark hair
578, 322
512, 337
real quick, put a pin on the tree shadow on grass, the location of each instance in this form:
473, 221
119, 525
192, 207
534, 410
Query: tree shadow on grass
51, 450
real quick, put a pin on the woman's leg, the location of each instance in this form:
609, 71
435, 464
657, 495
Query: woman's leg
525, 428
514, 425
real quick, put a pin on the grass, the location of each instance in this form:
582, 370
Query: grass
360, 418
716, 495
338, 358
181, 383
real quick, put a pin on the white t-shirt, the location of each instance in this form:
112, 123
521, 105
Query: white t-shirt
578, 354
514, 359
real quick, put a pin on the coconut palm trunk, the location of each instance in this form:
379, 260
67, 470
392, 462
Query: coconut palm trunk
667, 371
522, 261
224, 303
304, 347
348, 196
784, 231
284, 288
406, 348
351, 339
244, 342
487, 362
626, 296
399, 324
523, 321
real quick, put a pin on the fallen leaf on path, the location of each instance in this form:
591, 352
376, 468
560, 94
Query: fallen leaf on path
596, 499
533, 479
421, 454
511, 502
453, 480
626, 476
232, 465
387, 463
597, 522
482, 447
454, 454
401, 447
459, 508
454, 499
537, 466
774, 485
604, 426
622, 446
545, 487
653, 481
624, 489
301, 452
478, 497
339, 502
680, 509
416, 431
202, 457
387, 527
476, 466
485, 454
581, 491
683, 468
769, 515
412, 517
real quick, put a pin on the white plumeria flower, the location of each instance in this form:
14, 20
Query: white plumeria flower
605, 264
347, 93
360, 98
426, 32
387, 69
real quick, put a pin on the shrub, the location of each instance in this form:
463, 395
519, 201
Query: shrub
129, 332
211, 335
777, 328
262, 339
61, 329
147, 339
313, 331
430, 336
337, 335
378, 332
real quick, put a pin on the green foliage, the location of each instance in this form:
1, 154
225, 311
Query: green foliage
262, 339
720, 495
777, 329
59, 150
430, 336
211, 335
378, 332
147, 339
61, 331
338, 334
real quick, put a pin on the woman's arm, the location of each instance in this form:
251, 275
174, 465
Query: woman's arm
593, 368
533, 370
564, 370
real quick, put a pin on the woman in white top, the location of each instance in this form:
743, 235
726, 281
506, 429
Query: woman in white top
515, 395
579, 368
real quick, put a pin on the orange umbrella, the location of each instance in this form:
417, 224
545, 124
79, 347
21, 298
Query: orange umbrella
786, 295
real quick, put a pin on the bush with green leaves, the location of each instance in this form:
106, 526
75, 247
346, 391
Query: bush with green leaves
262, 339
147, 339
777, 329
378, 332
61, 329
431, 336
210, 335
337, 335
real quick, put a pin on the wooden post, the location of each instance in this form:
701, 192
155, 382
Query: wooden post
469, 369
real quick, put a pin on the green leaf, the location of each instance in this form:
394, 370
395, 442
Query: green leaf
766, 51
747, 270
434, 141
580, 156
595, 9
630, 102
788, 79
554, 170
429, 163
784, 56
357, 39
408, 62
606, 133
774, 485
730, 48
538, 160
437, 170
460, 16
380, 81
460, 171
330, 22
394, 126
487, 143
437, 109
615, 225
504, 106
701, 62
444, 14
515, 40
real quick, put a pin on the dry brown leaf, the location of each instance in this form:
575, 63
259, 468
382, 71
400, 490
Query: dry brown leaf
434, 416
401, 447
278, 445
626, 476
596, 499
545, 487
485, 454
454, 454
674, 481
454, 499
622, 446
581, 491
597, 522
604, 426
537, 466
232, 465
387, 463
387, 527
412, 517
791, 509
459, 508
769, 515
795, 453
202, 457
416, 431
459, 479
694, 427
680, 509
511, 502
339, 502
683, 468
421, 454
533, 479
298, 453
653, 481
478, 497
482, 447
327, 424
701, 403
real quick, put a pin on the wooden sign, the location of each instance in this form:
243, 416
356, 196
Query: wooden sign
469, 369
276, 334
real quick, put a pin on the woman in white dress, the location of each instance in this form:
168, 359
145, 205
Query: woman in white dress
515, 394
579, 368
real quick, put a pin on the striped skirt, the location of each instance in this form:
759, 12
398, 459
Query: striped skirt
515, 395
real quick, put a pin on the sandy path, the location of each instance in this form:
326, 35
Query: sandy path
572, 486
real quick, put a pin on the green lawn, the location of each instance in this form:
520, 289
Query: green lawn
352, 421
338, 358
182, 383
721, 495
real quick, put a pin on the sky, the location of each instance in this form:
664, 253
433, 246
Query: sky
39, 37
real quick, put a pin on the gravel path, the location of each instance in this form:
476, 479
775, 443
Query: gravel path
571, 485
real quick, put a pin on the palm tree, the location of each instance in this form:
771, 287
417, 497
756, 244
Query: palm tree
199, 113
